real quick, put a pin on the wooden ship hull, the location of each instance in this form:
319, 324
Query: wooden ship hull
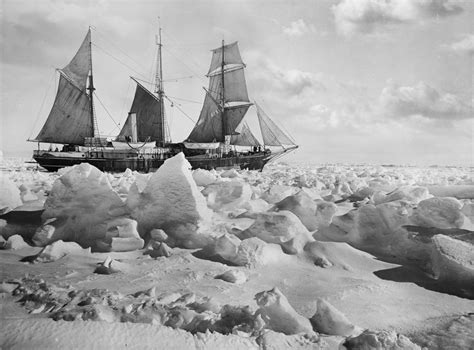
52, 161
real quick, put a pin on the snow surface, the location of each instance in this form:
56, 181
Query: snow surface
293, 257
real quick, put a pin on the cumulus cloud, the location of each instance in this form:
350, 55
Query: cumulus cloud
49, 28
465, 45
298, 28
425, 101
365, 16
287, 82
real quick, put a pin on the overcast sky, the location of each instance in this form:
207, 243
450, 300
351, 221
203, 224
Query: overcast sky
353, 81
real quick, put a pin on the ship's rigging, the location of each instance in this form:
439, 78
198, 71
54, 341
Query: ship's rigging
220, 128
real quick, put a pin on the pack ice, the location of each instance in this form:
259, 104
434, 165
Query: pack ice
315, 257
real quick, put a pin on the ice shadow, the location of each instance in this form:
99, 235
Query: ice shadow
203, 255
413, 274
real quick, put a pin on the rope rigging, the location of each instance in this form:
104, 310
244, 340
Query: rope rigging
118, 60
52, 80
108, 113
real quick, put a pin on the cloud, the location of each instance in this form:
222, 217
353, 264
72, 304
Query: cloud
463, 46
298, 28
366, 16
36, 35
286, 82
424, 101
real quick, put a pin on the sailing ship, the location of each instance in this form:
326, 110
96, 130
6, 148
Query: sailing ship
221, 138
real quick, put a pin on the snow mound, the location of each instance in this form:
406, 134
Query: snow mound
413, 194
45, 233
283, 228
227, 195
251, 252
160, 250
254, 252
326, 254
231, 173
279, 315
277, 193
122, 236
452, 261
303, 206
158, 235
82, 200
15, 242
225, 247
279, 341
60, 249
379, 230
442, 213
329, 320
171, 201
204, 177
456, 191
325, 211
9, 194
233, 276
383, 340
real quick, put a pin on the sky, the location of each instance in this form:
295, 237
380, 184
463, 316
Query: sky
352, 81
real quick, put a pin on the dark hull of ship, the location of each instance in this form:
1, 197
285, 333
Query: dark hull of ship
252, 162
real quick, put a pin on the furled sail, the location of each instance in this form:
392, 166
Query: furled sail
244, 137
78, 69
147, 108
272, 135
70, 118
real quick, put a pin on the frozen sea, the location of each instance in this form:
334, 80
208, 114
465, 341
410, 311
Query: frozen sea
237, 259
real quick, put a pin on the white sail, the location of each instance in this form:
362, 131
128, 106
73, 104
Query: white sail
272, 135
146, 106
226, 101
231, 58
78, 69
234, 83
69, 121
244, 137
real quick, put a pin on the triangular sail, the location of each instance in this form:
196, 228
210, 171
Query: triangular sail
272, 135
245, 137
78, 69
147, 108
69, 121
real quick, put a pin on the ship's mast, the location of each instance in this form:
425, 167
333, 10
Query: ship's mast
91, 91
224, 126
159, 89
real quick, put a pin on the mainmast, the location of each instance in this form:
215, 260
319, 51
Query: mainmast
159, 89
224, 126
91, 89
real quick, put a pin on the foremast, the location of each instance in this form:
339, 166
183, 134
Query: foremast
91, 88
224, 124
159, 88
